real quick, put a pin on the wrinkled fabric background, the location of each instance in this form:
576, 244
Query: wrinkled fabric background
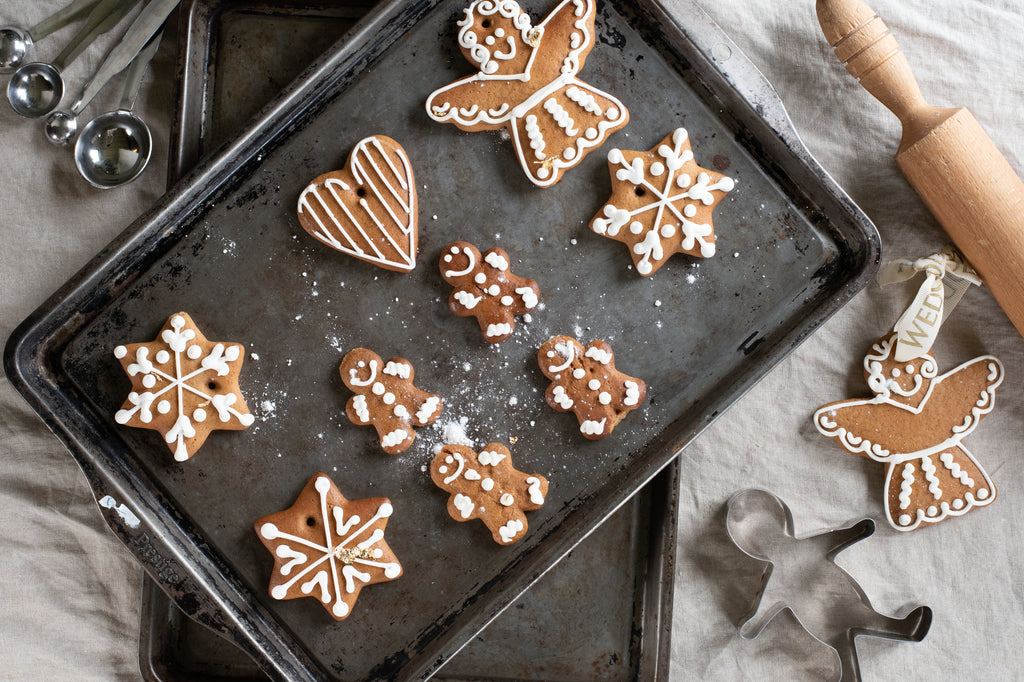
70, 592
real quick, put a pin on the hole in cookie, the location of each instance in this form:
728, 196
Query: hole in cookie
310, 521
212, 385
360, 192
486, 23
640, 191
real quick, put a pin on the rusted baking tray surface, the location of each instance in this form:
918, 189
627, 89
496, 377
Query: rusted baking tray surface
225, 246
575, 623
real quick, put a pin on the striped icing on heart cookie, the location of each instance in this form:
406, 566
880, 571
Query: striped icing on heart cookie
368, 209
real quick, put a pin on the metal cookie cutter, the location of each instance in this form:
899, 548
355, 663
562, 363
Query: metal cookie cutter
801, 576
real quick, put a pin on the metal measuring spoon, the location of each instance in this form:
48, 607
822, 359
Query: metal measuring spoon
115, 147
37, 88
16, 43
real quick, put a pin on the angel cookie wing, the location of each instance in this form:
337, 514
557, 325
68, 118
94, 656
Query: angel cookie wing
527, 83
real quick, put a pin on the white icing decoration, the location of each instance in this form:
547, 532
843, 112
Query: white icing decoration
428, 408
194, 352
163, 357
487, 484
472, 475
353, 375
928, 467
593, 384
561, 398
632, 394
389, 182
955, 470
507, 300
536, 496
604, 398
490, 458
398, 369
602, 356
494, 290
579, 373
464, 504
529, 297
567, 349
907, 485
592, 428
396, 437
120, 352
506, 500
361, 408
510, 530
378, 388
467, 299
499, 329
496, 261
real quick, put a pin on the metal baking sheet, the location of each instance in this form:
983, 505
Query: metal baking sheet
618, 626
225, 245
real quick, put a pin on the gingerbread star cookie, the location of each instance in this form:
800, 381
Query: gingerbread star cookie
486, 289
527, 83
585, 381
915, 425
386, 398
661, 203
368, 209
183, 386
327, 547
486, 486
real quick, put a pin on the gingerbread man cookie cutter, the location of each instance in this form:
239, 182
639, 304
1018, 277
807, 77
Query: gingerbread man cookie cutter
801, 571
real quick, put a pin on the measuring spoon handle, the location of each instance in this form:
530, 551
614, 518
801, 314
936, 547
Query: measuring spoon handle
58, 20
105, 16
136, 70
149, 21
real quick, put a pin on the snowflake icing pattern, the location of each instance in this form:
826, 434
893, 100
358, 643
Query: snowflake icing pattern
658, 222
177, 380
331, 561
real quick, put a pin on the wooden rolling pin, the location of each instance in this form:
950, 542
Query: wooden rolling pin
945, 154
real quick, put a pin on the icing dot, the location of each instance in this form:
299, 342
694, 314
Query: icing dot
385, 510
401, 412
279, 592
361, 364
657, 168
551, 353
340, 608
910, 369
378, 388
448, 258
480, 278
683, 181
494, 290
499, 33
668, 231
449, 459
636, 227
932, 511
163, 407
163, 357
579, 373
507, 500
377, 552
569, 154
543, 173
455, 250
604, 398
487, 484
507, 300
904, 519
194, 352
612, 112
689, 210
323, 484
958, 504
268, 530
983, 494
593, 384
149, 381
120, 352
392, 570
389, 398
591, 133
489, 40
896, 372
442, 469
199, 415
178, 321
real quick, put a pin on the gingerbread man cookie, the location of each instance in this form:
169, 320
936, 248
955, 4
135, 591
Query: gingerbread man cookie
585, 381
327, 547
485, 486
661, 203
385, 397
486, 289
915, 424
527, 83
368, 209
183, 386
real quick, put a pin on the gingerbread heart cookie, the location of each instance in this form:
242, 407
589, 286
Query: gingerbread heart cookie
486, 486
527, 83
661, 203
368, 209
585, 381
915, 425
327, 547
183, 386
386, 398
486, 289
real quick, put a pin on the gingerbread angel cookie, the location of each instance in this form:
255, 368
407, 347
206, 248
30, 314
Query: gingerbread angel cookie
585, 381
368, 209
485, 486
327, 547
486, 289
183, 386
527, 83
661, 203
386, 398
914, 424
